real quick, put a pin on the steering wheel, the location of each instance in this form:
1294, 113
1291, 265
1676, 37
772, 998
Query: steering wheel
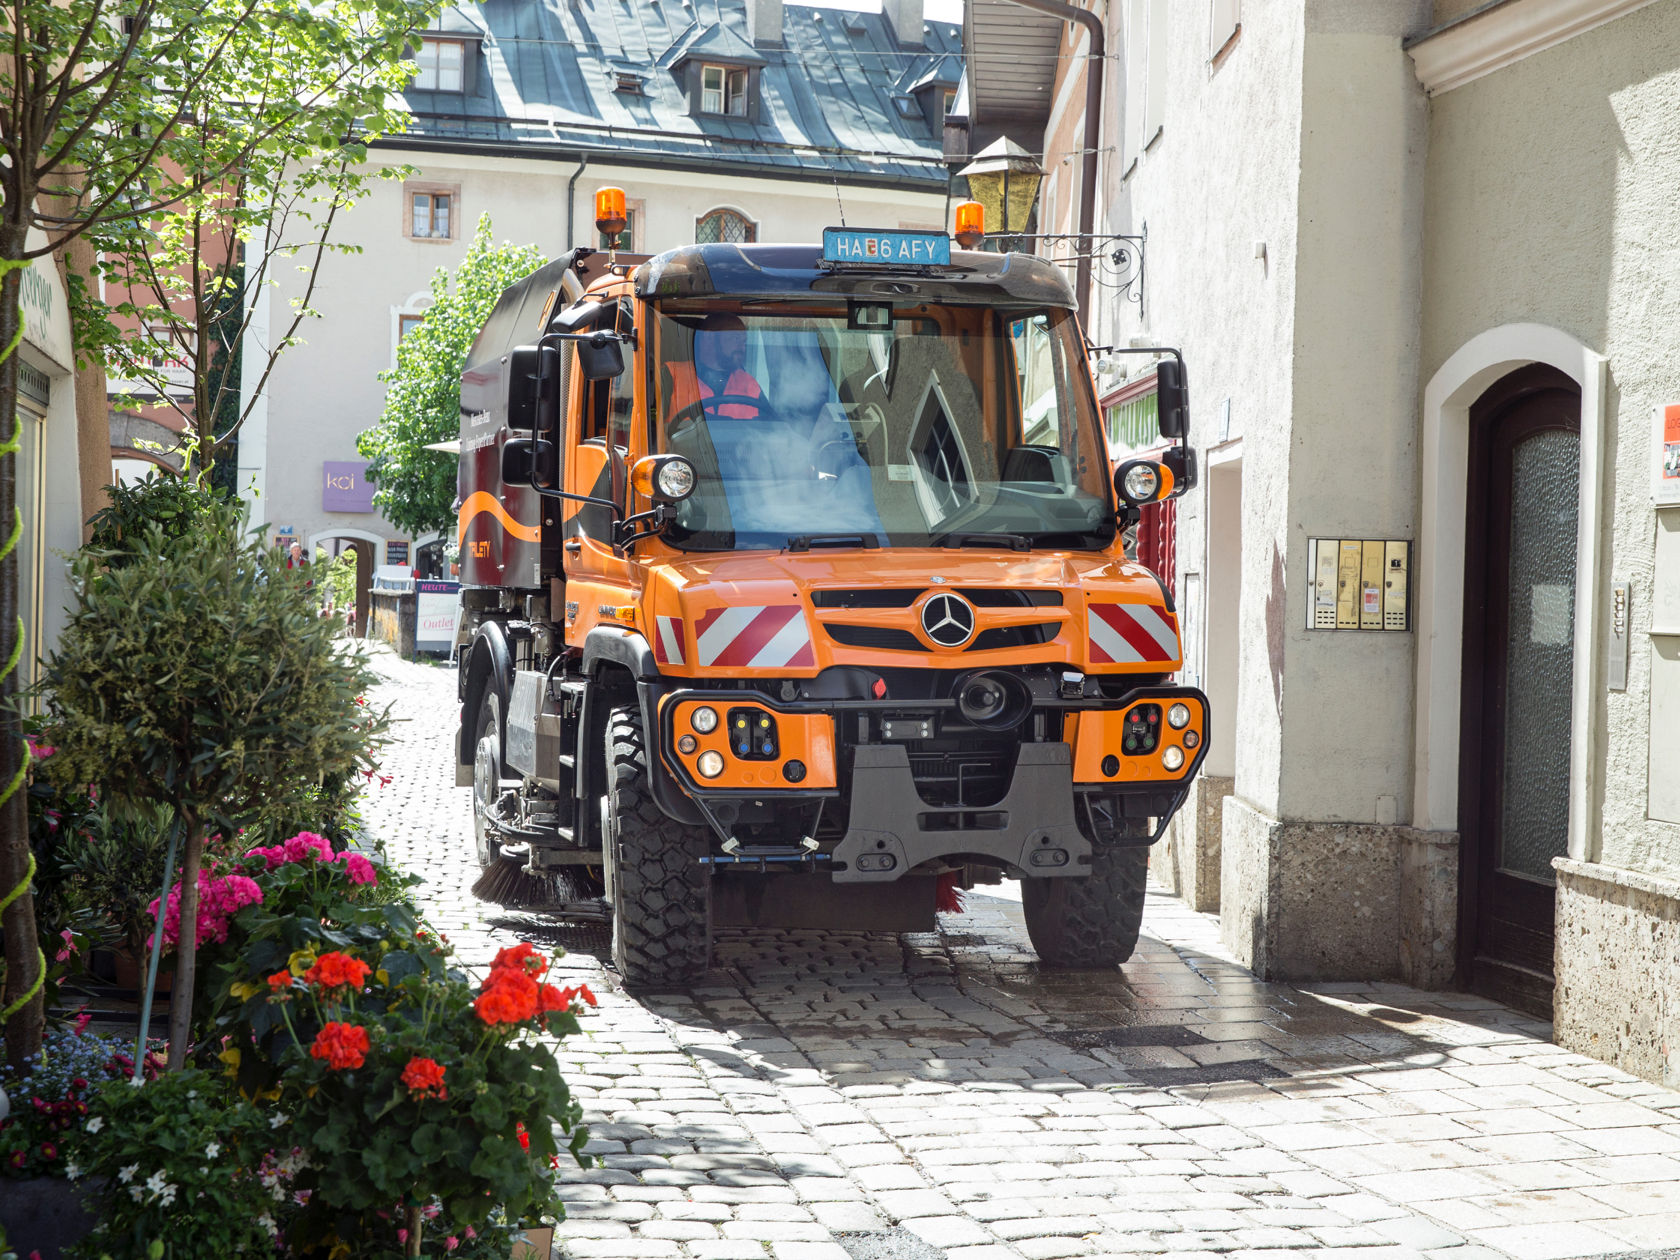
700, 407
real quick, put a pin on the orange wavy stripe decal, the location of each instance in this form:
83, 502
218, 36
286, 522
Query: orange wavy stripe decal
481, 501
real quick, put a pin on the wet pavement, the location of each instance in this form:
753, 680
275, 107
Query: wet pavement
825, 1096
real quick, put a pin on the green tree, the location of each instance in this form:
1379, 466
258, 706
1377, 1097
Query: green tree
415, 486
114, 117
198, 673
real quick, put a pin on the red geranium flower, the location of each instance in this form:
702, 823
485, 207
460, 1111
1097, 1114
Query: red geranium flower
509, 996
335, 970
424, 1078
280, 981
341, 1045
524, 1137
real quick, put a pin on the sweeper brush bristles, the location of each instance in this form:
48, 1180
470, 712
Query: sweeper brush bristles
509, 884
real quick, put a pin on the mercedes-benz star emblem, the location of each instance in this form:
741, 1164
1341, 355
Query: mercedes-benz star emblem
948, 620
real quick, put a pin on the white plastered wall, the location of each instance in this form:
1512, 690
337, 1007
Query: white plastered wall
1447, 399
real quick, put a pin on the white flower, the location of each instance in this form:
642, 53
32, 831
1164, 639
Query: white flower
135, 1193
156, 1182
72, 1170
267, 1222
126, 1175
274, 1122
96, 1124
213, 1150
168, 1195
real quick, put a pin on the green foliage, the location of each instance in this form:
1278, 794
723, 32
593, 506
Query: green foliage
416, 487
256, 172
175, 506
339, 576
199, 673
183, 1163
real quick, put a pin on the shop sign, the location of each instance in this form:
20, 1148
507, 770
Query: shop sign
345, 487
1666, 432
437, 605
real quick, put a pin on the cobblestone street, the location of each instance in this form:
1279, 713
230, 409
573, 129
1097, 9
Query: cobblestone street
911, 1098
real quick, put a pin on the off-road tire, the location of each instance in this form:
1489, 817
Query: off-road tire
487, 777
658, 884
1090, 921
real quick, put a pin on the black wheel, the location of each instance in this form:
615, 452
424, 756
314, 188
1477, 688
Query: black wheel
658, 884
487, 777
1083, 922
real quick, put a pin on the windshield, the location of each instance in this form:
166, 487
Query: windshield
935, 425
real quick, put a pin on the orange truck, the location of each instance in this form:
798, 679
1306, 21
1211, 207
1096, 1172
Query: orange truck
793, 587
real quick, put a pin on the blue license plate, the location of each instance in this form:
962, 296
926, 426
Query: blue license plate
892, 249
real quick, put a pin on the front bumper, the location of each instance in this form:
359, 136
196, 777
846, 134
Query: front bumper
1034, 828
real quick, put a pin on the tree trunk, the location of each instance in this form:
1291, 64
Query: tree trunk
186, 947
17, 925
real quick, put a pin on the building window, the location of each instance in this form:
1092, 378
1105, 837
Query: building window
442, 65
429, 214
725, 226
626, 238
407, 324
947, 101
723, 91
1224, 25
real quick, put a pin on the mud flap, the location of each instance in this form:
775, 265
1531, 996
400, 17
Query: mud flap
893, 830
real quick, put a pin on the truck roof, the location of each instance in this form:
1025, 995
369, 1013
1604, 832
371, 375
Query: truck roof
772, 271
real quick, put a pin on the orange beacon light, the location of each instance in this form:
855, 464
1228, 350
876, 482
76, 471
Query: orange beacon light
971, 224
610, 218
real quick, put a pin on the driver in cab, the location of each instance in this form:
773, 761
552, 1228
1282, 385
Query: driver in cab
720, 349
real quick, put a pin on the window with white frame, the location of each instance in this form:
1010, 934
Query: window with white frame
442, 65
723, 91
725, 226
430, 214
1224, 24
1146, 77
407, 324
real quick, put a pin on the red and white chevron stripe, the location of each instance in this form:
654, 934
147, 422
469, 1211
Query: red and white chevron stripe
668, 641
1124, 634
754, 636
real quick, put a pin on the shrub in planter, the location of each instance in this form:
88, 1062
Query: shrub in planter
185, 1161
50, 1103
407, 1086
197, 672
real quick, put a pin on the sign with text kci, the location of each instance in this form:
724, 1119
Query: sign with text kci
345, 487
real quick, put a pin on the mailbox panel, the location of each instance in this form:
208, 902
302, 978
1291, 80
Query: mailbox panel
1359, 584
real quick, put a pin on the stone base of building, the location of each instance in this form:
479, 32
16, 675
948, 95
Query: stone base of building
1337, 901
1618, 968
1186, 859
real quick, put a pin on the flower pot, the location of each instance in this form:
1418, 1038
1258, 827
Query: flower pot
131, 971
44, 1214
534, 1244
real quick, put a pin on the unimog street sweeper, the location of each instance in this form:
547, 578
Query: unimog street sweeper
793, 585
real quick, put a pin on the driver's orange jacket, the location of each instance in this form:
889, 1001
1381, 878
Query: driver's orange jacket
687, 389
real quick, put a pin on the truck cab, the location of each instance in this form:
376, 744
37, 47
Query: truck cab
794, 587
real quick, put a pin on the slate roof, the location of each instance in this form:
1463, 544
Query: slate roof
545, 72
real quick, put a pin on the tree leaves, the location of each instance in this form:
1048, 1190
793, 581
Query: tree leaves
415, 486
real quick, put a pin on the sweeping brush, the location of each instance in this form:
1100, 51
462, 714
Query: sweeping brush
948, 898
508, 883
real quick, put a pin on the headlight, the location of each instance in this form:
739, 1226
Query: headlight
1178, 716
710, 764
687, 744
704, 719
674, 479
1172, 758
1142, 483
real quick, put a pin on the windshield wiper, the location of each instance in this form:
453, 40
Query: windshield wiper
1014, 542
804, 542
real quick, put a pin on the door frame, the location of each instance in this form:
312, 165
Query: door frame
1477, 829
1439, 571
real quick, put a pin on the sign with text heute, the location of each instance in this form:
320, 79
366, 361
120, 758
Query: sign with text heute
345, 487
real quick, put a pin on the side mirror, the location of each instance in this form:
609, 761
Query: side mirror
519, 374
520, 456
601, 356
1180, 461
1172, 399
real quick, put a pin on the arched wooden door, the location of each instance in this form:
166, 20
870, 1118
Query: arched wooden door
1519, 615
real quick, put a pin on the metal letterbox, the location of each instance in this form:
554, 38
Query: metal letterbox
1359, 584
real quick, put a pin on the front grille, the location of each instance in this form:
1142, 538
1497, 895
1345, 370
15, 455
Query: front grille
969, 774
996, 597
883, 597
874, 637
1014, 636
